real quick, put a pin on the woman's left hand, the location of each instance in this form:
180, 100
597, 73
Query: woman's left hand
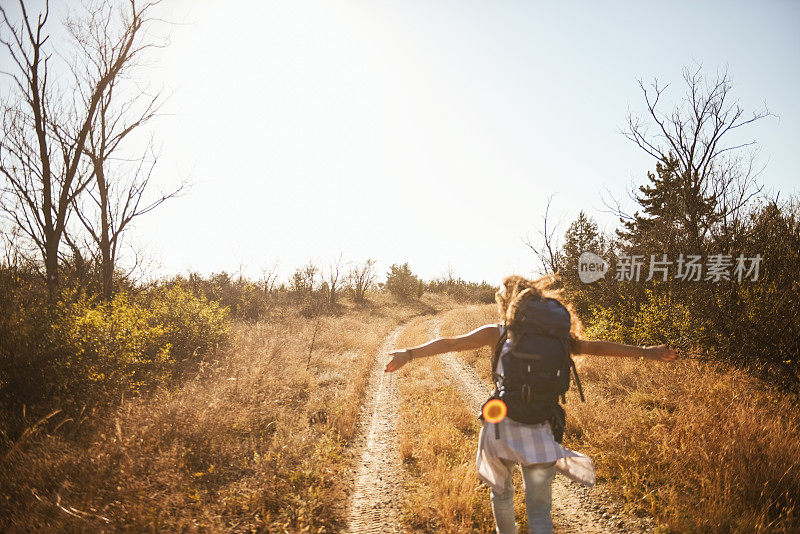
660, 353
399, 359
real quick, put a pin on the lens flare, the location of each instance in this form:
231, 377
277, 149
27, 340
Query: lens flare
494, 411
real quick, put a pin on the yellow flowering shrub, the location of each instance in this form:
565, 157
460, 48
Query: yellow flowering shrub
108, 348
191, 325
657, 319
81, 351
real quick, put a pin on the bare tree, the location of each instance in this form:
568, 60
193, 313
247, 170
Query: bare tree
334, 278
304, 279
360, 278
45, 133
9, 248
714, 186
546, 251
269, 276
117, 193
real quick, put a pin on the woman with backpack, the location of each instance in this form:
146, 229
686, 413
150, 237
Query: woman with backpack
535, 343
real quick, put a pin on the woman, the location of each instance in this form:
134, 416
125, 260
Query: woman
533, 447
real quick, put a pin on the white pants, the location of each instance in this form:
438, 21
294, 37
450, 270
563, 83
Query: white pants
538, 480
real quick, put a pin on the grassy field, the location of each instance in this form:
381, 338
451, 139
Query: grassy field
257, 440
698, 447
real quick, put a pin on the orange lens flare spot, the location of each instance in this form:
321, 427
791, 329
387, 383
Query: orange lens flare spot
495, 411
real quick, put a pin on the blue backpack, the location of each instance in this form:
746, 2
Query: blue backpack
536, 365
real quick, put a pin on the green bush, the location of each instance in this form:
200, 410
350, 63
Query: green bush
79, 351
244, 299
750, 322
192, 325
605, 324
403, 283
662, 319
102, 350
658, 318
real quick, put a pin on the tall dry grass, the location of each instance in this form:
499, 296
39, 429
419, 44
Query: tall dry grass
699, 447
256, 441
438, 434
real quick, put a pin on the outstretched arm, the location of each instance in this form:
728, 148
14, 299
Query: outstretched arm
485, 335
661, 353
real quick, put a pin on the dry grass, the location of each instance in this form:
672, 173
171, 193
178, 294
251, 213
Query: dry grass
257, 441
438, 434
698, 447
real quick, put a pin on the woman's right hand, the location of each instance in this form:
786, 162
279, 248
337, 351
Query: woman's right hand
399, 359
660, 353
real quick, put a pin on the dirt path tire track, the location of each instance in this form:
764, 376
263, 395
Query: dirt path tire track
574, 509
375, 503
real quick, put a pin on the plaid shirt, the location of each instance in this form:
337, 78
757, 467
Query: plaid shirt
526, 445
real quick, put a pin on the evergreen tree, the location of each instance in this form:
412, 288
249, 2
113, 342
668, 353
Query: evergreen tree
581, 236
675, 215
403, 283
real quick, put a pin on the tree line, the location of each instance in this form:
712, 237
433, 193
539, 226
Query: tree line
705, 203
318, 288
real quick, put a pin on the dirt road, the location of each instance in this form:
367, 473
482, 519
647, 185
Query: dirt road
375, 503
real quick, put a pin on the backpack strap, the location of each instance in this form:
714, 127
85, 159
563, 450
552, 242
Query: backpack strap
577, 380
495, 377
497, 350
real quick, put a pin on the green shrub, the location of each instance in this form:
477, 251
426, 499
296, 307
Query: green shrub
192, 325
79, 351
102, 350
244, 299
664, 320
403, 283
657, 319
606, 324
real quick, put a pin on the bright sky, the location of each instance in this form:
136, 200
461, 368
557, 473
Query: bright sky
432, 132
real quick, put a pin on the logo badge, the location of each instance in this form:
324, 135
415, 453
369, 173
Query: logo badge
591, 267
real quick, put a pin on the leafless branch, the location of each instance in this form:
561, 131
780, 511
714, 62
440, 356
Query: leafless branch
696, 133
547, 251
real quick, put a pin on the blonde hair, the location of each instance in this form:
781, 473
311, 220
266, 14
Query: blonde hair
516, 290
